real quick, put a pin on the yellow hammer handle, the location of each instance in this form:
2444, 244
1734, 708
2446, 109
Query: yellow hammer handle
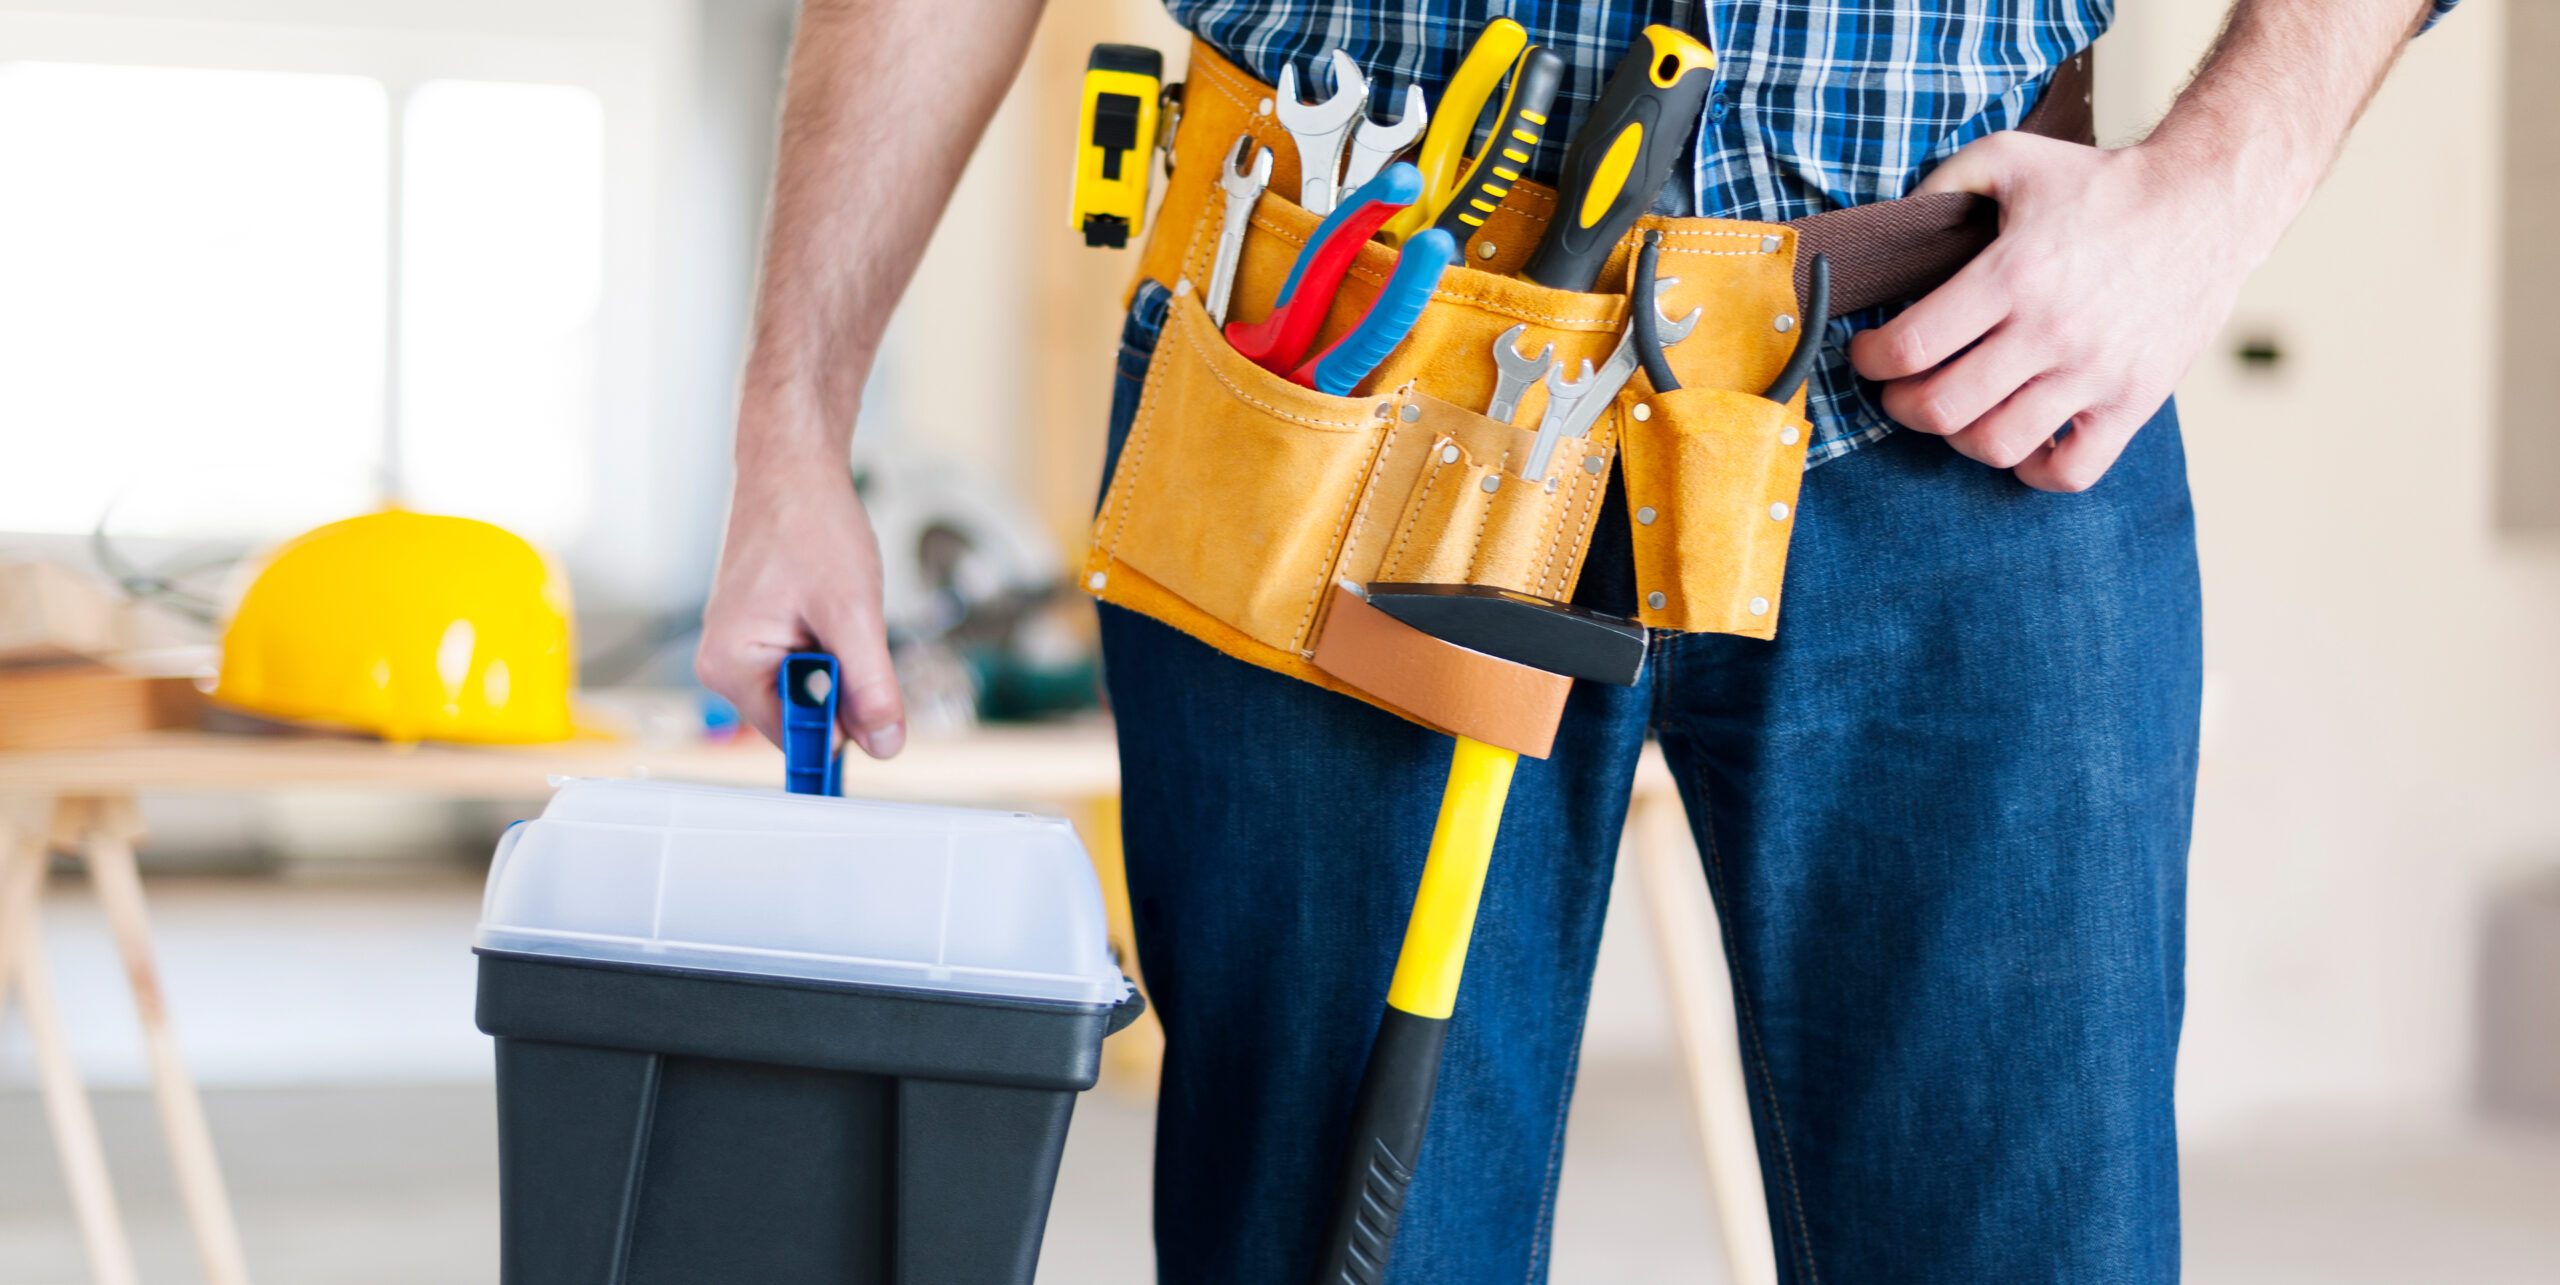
1453, 123
1444, 908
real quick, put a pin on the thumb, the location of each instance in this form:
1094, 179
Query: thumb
868, 706
1985, 167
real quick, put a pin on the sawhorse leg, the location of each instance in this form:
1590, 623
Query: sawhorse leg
103, 831
23, 851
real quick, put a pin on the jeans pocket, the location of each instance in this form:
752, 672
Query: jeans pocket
1138, 336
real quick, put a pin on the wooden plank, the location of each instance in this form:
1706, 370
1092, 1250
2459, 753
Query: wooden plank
68, 704
66, 1102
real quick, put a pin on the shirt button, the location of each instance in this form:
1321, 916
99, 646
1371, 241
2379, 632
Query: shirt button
1716, 108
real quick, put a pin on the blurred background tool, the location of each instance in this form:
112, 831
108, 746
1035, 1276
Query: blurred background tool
1622, 154
1321, 129
1115, 143
1518, 127
1453, 123
1242, 185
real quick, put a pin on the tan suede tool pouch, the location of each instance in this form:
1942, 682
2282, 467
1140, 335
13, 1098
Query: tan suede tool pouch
1240, 498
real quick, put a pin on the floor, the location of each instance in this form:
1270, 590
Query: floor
387, 1176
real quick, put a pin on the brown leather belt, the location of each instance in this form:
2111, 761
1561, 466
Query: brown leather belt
1896, 251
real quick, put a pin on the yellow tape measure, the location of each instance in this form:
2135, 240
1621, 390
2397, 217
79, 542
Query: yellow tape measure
1115, 143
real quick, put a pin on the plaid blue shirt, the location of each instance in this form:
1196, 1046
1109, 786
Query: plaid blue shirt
1816, 105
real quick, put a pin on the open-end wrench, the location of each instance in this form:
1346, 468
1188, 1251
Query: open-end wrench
1515, 374
1603, 386
1564, 398
1373, 145
1243, 187
1320, 129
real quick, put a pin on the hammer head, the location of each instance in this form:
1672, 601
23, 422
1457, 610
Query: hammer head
1541, 633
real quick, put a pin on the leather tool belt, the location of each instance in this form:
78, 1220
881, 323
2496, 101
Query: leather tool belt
1243, 504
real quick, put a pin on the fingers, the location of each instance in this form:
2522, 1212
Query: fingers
2018, 426
742, 673
868, 705
1952, 397
1987, 166
1942, 324
2077, 461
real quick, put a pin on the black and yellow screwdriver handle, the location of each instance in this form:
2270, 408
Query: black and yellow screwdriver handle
1516, 133
1621, 155
1394, 1107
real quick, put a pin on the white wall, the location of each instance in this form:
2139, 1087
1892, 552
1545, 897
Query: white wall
2380, 725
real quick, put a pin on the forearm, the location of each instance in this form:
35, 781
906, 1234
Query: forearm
885, 102
2270, 106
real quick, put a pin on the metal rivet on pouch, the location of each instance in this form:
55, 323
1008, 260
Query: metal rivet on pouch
1182, 288
1656, 601
1778, 511
1492, 483
1412, 412
1592, 464
1385, 409
1644, 516
1642, 412
1448, 455
1486, 251
1551, 486
1759, 606
1787, 435
1096, 581
1785, 323
1264, 107
1770, 244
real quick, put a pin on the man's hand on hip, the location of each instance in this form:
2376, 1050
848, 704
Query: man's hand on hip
2110, 274
2113, 269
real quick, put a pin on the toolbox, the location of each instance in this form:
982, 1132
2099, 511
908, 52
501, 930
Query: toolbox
752, 1036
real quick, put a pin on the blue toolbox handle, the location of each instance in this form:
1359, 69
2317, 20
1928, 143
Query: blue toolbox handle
808, 680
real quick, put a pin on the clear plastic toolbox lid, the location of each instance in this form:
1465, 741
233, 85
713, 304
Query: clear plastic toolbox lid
1000, 904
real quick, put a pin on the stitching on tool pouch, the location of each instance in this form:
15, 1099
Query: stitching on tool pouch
1369, 487
1136, 448
1251, 400
1475, 550
1413, 513
1324, 581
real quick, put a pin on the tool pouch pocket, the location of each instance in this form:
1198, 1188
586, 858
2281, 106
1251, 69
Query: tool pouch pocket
1239, 499
1711, 478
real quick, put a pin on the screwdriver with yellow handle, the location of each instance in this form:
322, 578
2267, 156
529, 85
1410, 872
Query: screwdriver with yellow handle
1453, 123
1622, 154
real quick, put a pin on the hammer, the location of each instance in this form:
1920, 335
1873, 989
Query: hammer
1394, 1106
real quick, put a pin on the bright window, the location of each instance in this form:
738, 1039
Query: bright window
191, 277
194, 286
503, 213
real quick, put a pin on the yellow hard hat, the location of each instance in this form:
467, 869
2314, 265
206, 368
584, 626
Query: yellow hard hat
408, 625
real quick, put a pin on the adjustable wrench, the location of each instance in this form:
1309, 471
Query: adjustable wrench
1320, 129
1515, 374
1585, 410
1243, 188
1375, 144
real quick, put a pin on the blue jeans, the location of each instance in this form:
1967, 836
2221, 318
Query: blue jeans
1944, 818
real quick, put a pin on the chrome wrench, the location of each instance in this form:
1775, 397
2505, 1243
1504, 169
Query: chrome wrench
1373, 145
1564, 399
1320, 129
1243, 188
1515, 374
1585, 411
